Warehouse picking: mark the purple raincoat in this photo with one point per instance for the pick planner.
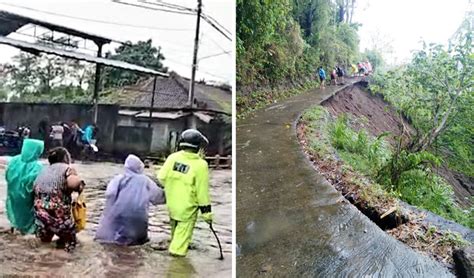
(125, 217)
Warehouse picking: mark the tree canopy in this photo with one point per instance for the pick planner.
(289, 39)
(142, 53)
(436, 91)
(55, 79)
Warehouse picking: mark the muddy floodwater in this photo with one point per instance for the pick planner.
(24, 255)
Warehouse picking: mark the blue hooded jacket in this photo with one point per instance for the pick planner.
(322, 73)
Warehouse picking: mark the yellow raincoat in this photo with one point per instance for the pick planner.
(185, 177)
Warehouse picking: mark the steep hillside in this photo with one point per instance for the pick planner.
(372, 113)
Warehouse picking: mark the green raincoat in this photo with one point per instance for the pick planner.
(21, 173)
(185, 178)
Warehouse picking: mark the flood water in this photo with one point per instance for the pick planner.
(21, 255)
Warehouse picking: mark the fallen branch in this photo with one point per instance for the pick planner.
(388, 212)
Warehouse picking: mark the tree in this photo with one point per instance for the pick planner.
(285, 41)
(142, 53)
(436, 92)
(375, 58)
(432, 87)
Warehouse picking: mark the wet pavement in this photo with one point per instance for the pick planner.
(293, 223)
(20, 255)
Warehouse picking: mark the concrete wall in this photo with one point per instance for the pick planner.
(14, 114)
(165, 131)
(132, 139)
(215, 132)
(162, 132)
(110, 122)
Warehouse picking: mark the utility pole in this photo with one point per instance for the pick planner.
(196, 44)
(152, 102)
(97, 84)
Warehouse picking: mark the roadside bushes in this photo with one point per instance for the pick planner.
(405, 175)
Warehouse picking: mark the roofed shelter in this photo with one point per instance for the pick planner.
(11, 22)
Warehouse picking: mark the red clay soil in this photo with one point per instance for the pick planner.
(381, 117)
(356, 101)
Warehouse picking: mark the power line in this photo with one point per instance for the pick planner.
(181, 10)
(216, 27)
(155, 9)
(213, 41)
(97, 20)
(217, 22)
(169, 5)
(215, 55)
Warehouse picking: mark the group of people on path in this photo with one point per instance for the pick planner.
(337, 73)
(69, 135)
(337, 76)
(39, 198)
(363, 68)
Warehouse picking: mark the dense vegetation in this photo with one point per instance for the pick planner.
(55, 79)
(285, 41)
(417, 185)
(435, 91)
(142, 53)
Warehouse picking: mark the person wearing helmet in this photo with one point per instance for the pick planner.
(185, 177)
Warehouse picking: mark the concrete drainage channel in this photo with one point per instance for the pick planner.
(394, 217)
(292, 223)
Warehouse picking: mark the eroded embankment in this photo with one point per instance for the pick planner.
(409, 225)
(376, 116)
(292, 223)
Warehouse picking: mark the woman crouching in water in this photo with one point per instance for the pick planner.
(128, 197)
(53, 202)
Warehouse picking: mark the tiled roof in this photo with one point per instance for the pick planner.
(172, 93)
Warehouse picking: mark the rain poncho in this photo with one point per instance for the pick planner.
(21, 173)
(186, 180)
(88, 134)
(125, 217)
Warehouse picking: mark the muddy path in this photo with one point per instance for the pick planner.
(291, 222)
(24, 254)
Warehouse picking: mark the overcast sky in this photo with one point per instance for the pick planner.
(173, 32)
(404, 23)
(401, 24)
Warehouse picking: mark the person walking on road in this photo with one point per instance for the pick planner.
(57, 135)
(333, 76)
(185, 177)
(322, 77)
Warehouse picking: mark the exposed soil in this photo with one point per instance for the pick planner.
(377, 116)
(407, 225)
(463, 185)
(372, 112)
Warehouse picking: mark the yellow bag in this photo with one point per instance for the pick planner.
(79, 212)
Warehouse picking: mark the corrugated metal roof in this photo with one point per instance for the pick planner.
(203, 117)
(10, 22)
(129, 112)
(36, 48)
(162, 115)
